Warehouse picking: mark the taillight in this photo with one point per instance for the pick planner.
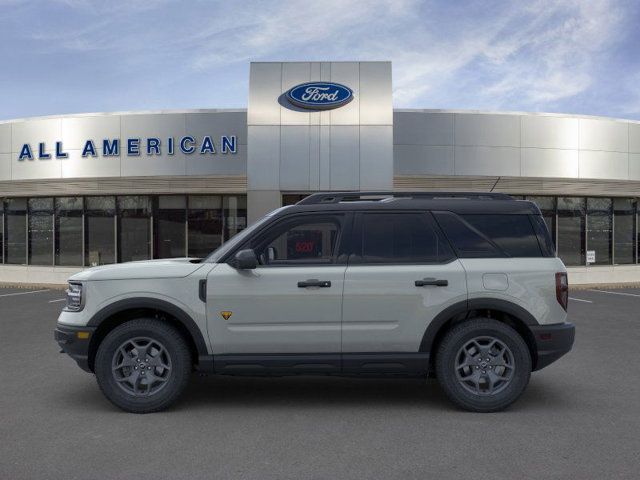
(562, 289)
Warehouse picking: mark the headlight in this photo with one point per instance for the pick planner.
(74, 297)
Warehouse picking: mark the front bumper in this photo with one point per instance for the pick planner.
(75, 341)
(552, 342)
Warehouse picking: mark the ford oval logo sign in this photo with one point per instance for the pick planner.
(320, 95)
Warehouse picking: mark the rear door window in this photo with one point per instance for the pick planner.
(466, 239)
(400, 238)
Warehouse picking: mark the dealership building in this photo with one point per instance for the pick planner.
(99, 188)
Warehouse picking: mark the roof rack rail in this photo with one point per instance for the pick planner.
(337, 197)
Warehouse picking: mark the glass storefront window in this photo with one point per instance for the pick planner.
(637, 248)
(46, 231)
(77, 231)
(100, 230)
(293, 198)
(623, 230)
(170, 226)
(599, 231)
(134, 228)
(40, 231)
(571, 230)
(235, 215)
(2, 230)
(15, 231)
(547, 206)
(68, 231)
(205, 225)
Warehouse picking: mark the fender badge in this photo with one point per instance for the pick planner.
(226, 315)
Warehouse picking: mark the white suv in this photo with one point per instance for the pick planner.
(465, 287)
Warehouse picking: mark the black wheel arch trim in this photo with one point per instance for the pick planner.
(464, 307)
(505, 306)
(156, 304)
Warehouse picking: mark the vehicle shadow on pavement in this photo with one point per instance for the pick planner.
(312, 392)
(316, 392)
(319, 392)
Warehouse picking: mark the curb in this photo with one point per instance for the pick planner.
(27, 286)
(611, 286)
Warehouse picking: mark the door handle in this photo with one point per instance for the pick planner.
(431, 281)
(314, 283)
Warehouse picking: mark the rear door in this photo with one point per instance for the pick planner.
(401, 275)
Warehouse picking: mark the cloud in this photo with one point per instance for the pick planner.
(312, 30)
(538, 55)
(557, 59)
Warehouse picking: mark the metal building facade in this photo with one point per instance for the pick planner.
(586, 169)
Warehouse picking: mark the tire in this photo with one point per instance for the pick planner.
(143, 365)
(471, 365)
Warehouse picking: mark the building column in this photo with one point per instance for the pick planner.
(261, 202)
(295, 149)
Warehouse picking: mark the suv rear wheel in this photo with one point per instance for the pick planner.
(143, 365)
(483, 365)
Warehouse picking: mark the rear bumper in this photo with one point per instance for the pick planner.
(74, 345)
(552, 342)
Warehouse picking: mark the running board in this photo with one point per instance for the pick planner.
(347, 364)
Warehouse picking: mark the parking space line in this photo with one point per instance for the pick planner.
(22, 293)
(616, 293)
(57, 300)
(580, 300)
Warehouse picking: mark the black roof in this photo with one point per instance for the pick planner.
(457, 202)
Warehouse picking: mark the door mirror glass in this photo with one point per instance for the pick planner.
(245, 260)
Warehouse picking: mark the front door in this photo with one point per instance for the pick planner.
(401, 275)
(292, 302)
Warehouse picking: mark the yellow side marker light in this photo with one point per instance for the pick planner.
(82, 335)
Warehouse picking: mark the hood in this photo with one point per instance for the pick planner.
(147, 269)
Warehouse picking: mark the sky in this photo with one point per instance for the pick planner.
(75, 56)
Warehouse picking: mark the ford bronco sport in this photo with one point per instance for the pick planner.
(465, 287)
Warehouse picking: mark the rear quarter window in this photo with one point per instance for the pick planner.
(544, 236)
(493, 235)
(513, 234)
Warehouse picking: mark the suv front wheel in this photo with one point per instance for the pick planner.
(483, 365)
(143, 365)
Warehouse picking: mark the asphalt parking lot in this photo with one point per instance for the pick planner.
(579, 418)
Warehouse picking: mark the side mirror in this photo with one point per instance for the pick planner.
(245, 260)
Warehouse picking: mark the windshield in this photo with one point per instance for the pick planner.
(225, 248)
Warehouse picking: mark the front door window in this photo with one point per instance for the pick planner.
(306, 240)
